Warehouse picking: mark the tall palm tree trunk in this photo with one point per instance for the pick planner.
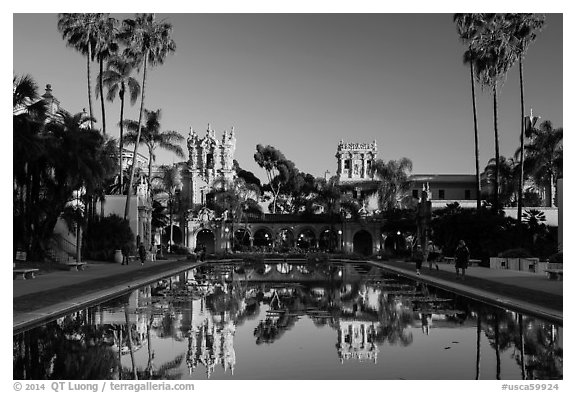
(122, 89)
(101, 88)
(120, 352)
(149, 164)
(497, 346)
(171, 226)
(129, 338)
(478, 341)
(89, 56)
(137, 143)
(496, 151)
(522, 361)
(522, 131)
(476, 148)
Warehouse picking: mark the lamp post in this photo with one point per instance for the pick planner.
(226, 230)
(340, 239)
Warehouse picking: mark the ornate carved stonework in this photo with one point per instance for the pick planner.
(355, 161)
(209, 160)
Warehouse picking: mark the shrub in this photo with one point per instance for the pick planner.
(105, 235)
(556, 258)
(515, 253)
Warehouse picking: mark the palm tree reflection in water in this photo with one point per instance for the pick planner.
(363, 309)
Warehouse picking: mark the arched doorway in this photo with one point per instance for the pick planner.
(306, 239)
(328, 240)
(362, 243)
(241, 240)
(206, 238)
(262, 238)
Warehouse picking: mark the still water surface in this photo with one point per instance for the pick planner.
(289, 321)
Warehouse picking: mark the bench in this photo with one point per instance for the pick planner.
(554, 274)
(24, 274)
(75, 266)
(449, 260)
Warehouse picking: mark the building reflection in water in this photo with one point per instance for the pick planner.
(199, 312)
(356, 341)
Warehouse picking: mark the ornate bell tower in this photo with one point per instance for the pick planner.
(355, 161)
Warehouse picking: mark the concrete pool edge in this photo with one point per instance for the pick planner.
(552, 315)
(27, 320)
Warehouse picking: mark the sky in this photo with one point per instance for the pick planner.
(303, 82)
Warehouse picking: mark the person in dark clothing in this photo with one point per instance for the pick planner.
(142, 253)
(419, 258)
(462, 256)
(125, 253)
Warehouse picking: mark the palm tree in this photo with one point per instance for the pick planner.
(543, 160)
(469, 27)
(508, 170)
(493, 60)
(81, 32)
(148, 41)
(394, 184)
(106, 46)
(168, 181)
(29, 152)
(118, 81)
(152, 137)
(522, 32)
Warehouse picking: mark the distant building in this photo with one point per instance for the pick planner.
(445, 189)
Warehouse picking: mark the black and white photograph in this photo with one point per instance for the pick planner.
(266, 196)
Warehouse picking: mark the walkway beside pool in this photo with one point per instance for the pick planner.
(520, 291)
(54, 293)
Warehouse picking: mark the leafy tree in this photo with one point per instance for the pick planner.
(118, 80)
(106, 235)
(148, 42)
(279, 170)
(153, 137)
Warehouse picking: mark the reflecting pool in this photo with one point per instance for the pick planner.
(290, 321)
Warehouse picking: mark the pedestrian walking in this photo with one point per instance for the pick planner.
(419, 258)
(142, 253)
(153, 251)
(432, 255)
(125, 253)
(462, 256)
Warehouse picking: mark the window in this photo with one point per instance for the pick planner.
(347, 164)
(355, 194)
(467, 194)
(209, 161)
(415, 194)
(441, 194)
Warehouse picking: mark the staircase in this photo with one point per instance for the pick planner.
(61, 250)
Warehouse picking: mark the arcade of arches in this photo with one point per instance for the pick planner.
(364, 238)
